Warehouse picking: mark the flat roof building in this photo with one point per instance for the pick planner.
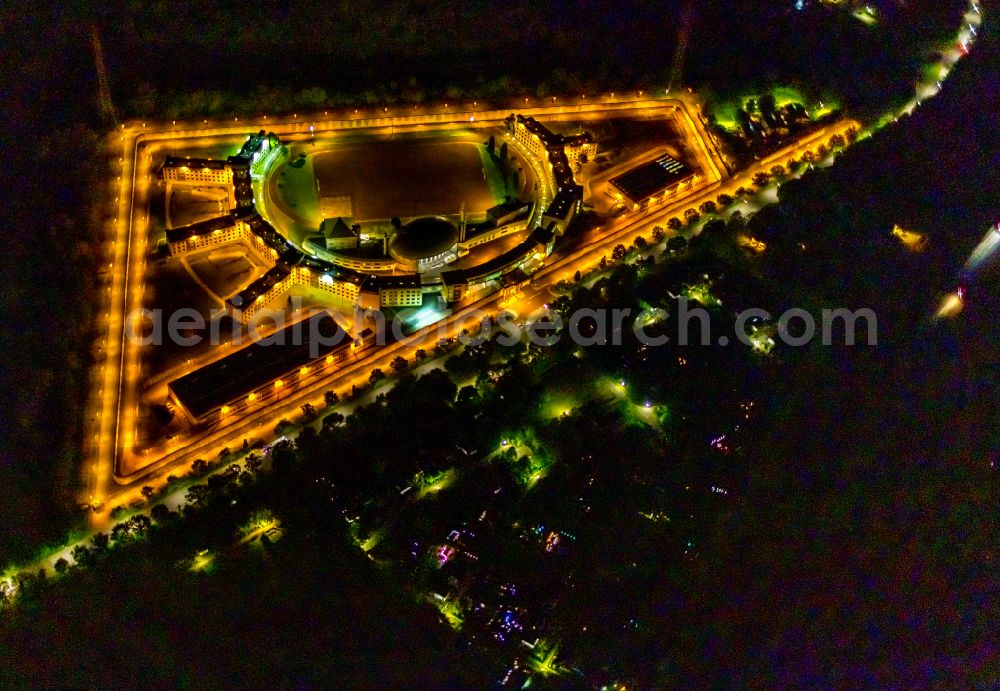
(655, 179)
(250, 374)
(404, 290)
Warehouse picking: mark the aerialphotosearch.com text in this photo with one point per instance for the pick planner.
(585, 327)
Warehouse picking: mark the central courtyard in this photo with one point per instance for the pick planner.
(406, 178)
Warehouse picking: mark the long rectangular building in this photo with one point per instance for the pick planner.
(260, 370)
(656, 179)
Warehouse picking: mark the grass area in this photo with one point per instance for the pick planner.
(298, 190)
(494, 175)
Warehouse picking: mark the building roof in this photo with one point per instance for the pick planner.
(424, 237)
(549, 138)
(248, 295)
(511, 258)
(564, 202)
(651, 178)
(181, 162)
(374, 284)
(568, 193)
(237, 375)
(454, 277)
(252, 145)
(337, 228)
(265, 231)
(339, 273)
(511, 206)
(205, 227)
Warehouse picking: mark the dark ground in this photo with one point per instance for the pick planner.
(403, 179)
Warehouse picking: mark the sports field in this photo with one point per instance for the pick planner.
(404, 178)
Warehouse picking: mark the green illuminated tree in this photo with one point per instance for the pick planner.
(332, 420)
(677, 243)
(331, 398)
(253, 462)
(100, 541)
(309, 412)
(746, 123)
(283, 426)
(83, 555)
(120, 533)
(618, 253)
(197, 495)
(399, 364)
(468, 397)
(766, 105)
(376, 375)
(736, 221)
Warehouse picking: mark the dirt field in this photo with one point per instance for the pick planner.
(404, 178)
